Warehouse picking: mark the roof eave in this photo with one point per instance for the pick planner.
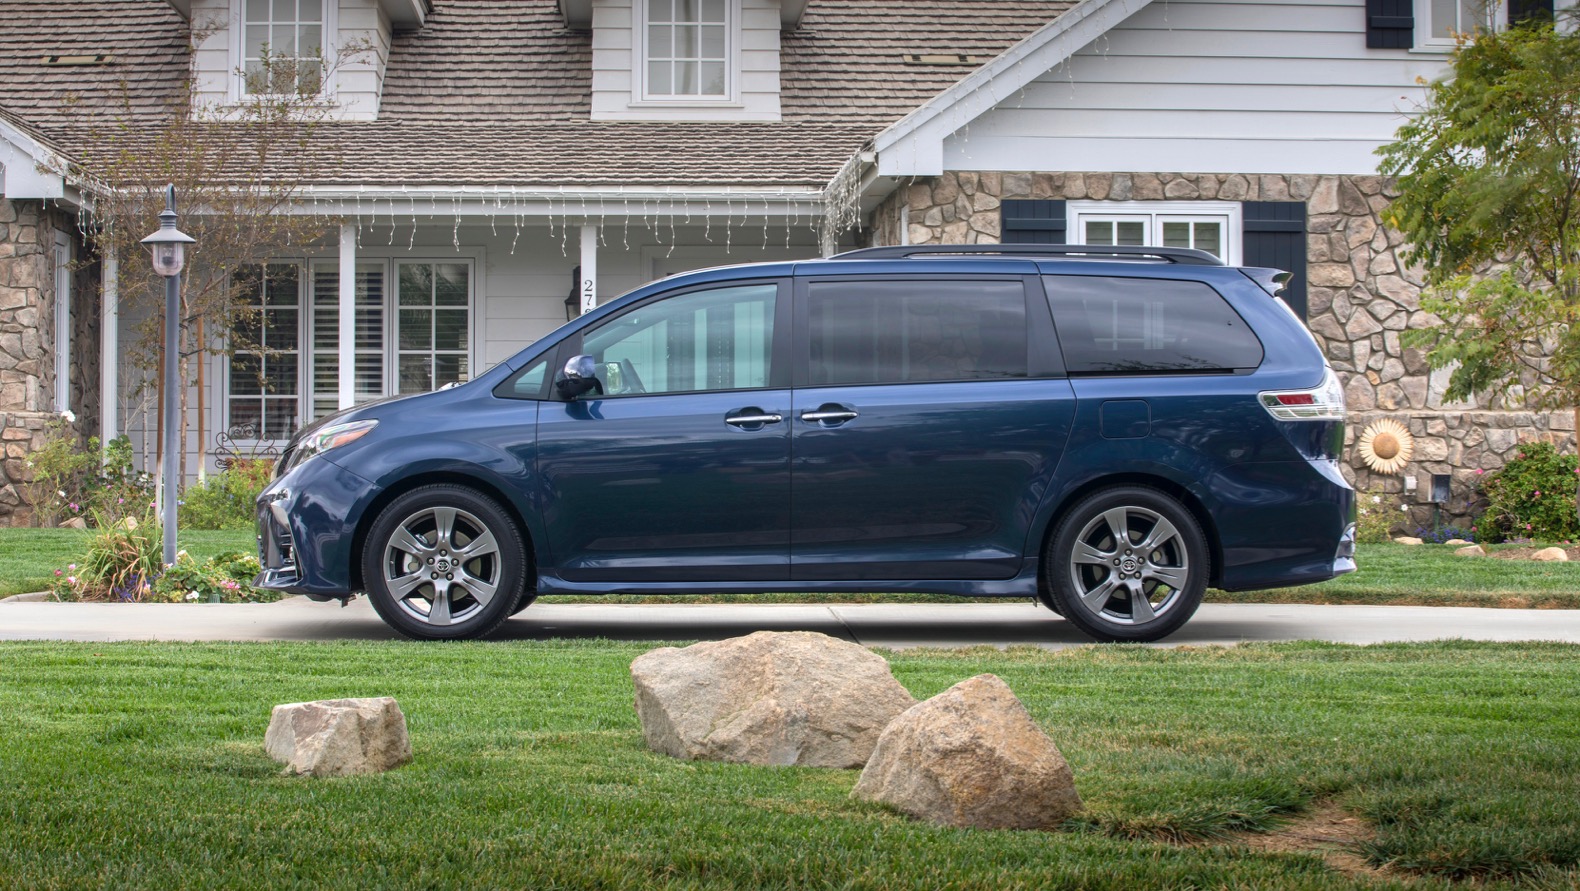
(28, 167)
(578, 13)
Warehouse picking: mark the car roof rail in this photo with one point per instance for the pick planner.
(1183, 256)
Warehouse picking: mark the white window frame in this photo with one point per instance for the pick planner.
(1229, 213)
(732, 63)
(238, 52)
(1425, 42)
(392, 350)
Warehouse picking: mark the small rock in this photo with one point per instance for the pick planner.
(771, 698)
(75, 523)
(1472, 551)
(1551, 555)
(971, 756)
(1407, 540)
(1456, 542)
(338, 737)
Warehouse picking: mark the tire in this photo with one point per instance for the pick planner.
(527, 599)
(414, 580)
(1117, 593)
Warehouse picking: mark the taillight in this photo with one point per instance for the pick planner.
(1324, 403)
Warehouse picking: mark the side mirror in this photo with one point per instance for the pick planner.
(580, 376)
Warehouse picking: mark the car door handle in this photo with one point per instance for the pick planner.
(829, 415)
(753, 417)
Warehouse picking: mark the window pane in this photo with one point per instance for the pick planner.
(279, 418)
(310, 42)
(416, 329)
(659, 10)
(246, 371)
(713, 42)
(1209, 238)
(282, 41)
(713, 11)
(1131, 232)
(688, 41)
(686, 78)
(448, 370)
(450, 284)
(280, 329)
(660, 42)
(416, 284)
(658, 83)
(370, 377)
(712, 78)
(416, 374)
(1444, 18)
(1176, 235)
(311, 10)
(257, 38)
(1147, 326)
(284, 10)
(449, 329)
(257, 10)
(719, 339)
(687, 10)
(1099, 232)
(904, 332)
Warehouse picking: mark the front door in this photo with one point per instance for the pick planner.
(680, 470)
(922, 443)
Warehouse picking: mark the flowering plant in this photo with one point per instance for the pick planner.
(1533, 496)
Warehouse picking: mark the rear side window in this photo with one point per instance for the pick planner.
(1148, 326)
(878, 332)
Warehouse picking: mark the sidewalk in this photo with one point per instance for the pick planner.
(883, 625)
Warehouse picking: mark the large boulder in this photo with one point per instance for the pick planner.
(971, 756)
(774, 698)
(1551, 555)
(338, 737)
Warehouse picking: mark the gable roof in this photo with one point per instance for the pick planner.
(498, 92)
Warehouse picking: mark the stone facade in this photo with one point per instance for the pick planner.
(1361, 295)
(27, 366)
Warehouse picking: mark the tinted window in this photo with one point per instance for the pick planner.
(1147, 326)
(718, 339)
(867, 332)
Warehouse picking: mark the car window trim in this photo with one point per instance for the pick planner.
(779, 348)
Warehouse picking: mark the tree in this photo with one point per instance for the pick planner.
(237, 170)
(1489, 177)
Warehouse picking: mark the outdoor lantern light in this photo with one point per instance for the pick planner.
(170, 255)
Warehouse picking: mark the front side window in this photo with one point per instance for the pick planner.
(283, 47)
(264, 387)
(896, 332)
(687, 48)
(717, 339)
(1147, 326)
(1439, 22)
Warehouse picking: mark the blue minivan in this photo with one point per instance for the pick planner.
(1109, 430)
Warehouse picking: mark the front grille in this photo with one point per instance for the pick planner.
(276, 551)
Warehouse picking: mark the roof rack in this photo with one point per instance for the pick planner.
(1183, 256)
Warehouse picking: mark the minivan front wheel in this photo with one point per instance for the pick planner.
(444, 562)
(1127, 564)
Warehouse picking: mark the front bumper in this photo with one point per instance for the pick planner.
(306, 524)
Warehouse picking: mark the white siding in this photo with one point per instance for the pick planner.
(756, 81)
(1208, 86)
(357, 58)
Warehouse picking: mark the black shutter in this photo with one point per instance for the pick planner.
(1390, 24)
(1032, 221)
(1275, 236)
(1538, 10)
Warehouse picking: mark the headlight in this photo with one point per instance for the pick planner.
(331, 438)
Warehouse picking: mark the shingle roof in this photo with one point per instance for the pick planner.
(498, 91)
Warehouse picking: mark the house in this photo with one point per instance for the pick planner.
(496, 164)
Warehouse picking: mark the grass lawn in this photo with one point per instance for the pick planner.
(1428, 575)
(141, 766)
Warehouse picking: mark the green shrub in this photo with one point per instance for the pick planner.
(124, 562)
(226, 500)
(1376, 514)
(72, 481)
(1533, 496)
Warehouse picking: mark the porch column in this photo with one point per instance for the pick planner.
(588, 286)
(109, 345)
(348, 321)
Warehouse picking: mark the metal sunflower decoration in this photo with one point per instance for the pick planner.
(1386, 445)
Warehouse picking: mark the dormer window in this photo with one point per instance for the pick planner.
(688, 49)
(284, 49)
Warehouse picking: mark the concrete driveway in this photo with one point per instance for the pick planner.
(883, 625)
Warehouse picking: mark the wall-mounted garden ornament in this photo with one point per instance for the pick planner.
(1386, 445)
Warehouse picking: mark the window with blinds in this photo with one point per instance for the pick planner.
(369, 339)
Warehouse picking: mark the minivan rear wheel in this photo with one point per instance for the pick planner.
(444, 562)
(1127, 563)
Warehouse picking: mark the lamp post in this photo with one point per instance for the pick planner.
(169, 249)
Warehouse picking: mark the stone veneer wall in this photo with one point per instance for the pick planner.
(27, 370)
(1360, 297)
